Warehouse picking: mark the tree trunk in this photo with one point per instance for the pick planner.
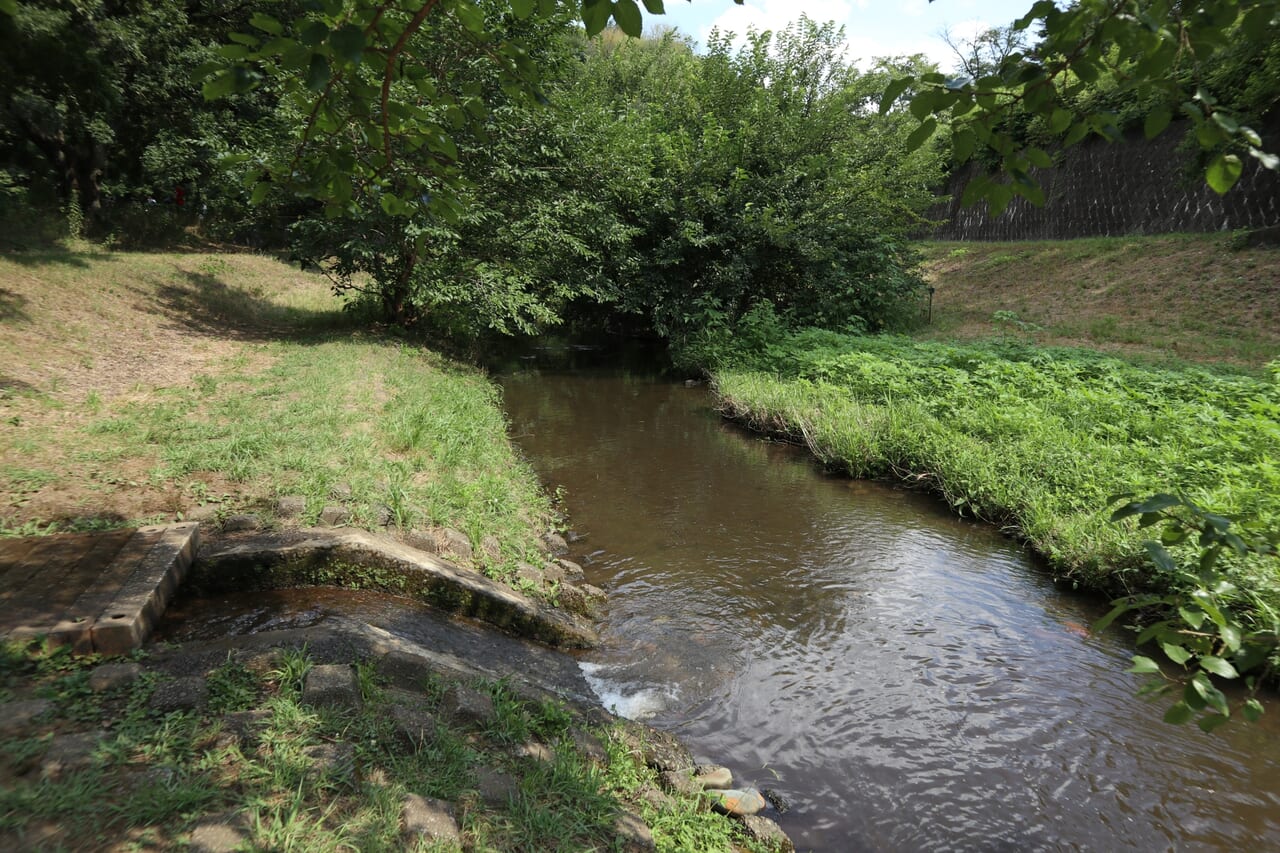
(396, 300)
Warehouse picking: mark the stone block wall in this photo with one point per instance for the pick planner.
(1101, 189)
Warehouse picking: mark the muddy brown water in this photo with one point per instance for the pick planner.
(906, 679)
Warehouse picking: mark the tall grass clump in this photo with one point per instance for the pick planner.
(1036, 440)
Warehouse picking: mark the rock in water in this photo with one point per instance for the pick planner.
(747, 801)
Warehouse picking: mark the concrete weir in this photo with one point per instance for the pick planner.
(348, 557)
(105, 592)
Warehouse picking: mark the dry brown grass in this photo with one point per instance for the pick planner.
(83, 328)
(1192, 297)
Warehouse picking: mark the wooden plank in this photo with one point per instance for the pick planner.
(132, 613)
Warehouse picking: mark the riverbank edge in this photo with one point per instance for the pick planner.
(776, 425)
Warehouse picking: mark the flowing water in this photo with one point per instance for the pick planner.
(905, 679)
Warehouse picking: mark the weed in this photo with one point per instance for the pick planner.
(232, 687)
(292, 672)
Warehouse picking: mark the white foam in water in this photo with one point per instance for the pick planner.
(637, 705)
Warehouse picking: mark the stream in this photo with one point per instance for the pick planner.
(904, 678)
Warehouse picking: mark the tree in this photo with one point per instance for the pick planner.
(96, 98)
(1165, 47)
(984, 53)
(769, 177)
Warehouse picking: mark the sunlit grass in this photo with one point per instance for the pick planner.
(1032, 439)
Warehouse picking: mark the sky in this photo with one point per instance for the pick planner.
(872, 28)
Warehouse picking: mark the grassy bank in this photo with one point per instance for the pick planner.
(260, 762)
(1033, 439)
(1181, 296)
(150, 387)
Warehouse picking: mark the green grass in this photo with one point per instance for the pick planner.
(155, 777)
(287, 396)
(408, 434)
(1036, 440)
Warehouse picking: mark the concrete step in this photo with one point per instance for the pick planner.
(95, 592)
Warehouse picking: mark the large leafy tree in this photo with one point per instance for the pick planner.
(96, 97)
(1160, 56)
(498, 225)
(767, 175)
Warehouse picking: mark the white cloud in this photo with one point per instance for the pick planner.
(774, 15)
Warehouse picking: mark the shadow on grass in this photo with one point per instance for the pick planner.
(10, 386)
(47, 255)
(205, 304)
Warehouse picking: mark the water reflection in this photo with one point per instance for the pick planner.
(907, 679)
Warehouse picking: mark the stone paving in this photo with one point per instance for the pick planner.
(97, 592)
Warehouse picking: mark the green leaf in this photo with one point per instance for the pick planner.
(1161, 557)
(1252, 710)
(348, 43)
(260, 191)
(923, 104)
(1231, 637)
(595, 15)
(1209, 722)
(1143, 664)
(1177, 654)
(922, 133)
(1194, 618)
(1223, 172)
(998, 198)
(219, 86)
(523, 8)
(318, 72)
(628, 16)
(1122, 605)
(1218, 667)
(1211, 695)
(1157, 120)
(1228, 124)
(1060, 120)
(391, 204)
(266, 23)
(1038, 10)
(654, 7)
(1039, 158)
(1268, 161)
(963, 141)
(313, 34)
(1158, 502)
(1179, 713)
(9, 7)
(893, 91)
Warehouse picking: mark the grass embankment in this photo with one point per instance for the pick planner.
(150, 387)
(1199, 297)
(282, 774)
(144, 387)
(1035, 438)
